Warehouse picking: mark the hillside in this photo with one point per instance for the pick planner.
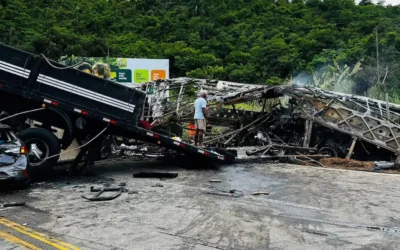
(253, 41)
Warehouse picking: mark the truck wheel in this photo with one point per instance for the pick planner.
(328, 151)
(41, 144)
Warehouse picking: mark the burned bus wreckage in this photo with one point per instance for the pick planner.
(278, 122)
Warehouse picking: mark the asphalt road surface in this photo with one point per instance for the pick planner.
(307, 208)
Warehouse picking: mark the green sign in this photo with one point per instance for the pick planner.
(123, 75)
(141, 75)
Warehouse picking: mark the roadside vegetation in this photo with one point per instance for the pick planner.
(250, 41)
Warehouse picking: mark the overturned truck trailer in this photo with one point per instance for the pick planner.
(362, 118)
(289, 119)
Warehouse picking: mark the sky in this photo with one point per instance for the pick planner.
(388, 2)
(392, 2)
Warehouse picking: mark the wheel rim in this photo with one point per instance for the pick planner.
(328, 151)
(38, 151)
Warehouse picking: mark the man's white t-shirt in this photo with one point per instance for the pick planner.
(199, 104)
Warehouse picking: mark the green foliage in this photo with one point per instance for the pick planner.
(251, 41)
(249, 106)
(336, 78)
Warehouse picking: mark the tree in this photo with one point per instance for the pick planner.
(253, 41)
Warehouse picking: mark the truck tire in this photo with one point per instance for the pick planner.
(41, 144)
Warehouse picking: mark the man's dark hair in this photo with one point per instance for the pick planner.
(84, 66)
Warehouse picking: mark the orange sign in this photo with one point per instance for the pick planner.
(157, 74)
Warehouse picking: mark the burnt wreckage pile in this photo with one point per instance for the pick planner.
(279, 121)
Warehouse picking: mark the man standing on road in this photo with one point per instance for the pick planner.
(200, 117)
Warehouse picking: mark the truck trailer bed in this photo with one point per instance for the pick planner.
(50, 84)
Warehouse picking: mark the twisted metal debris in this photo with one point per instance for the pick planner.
(287, 120)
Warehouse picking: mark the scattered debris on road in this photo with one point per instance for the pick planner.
(347, 164)
(100, 191)
(379, 165)
(215, 180)
(230, 193)
(14, 204)
(261, 193)
(158, 175)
